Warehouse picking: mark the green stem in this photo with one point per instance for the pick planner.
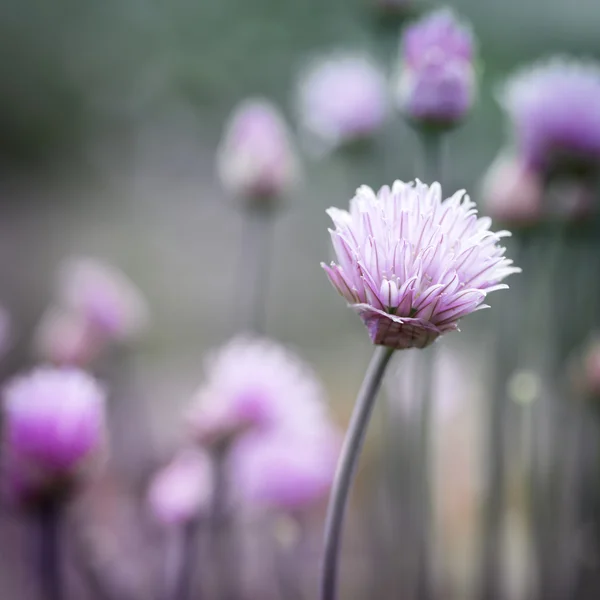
(346, 468)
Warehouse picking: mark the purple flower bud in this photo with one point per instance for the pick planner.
(342, 99)
(107, 301)
(555, 112)
(54, 424)
(253, 384)
(256, 161)
(182, 490)
(436, 83)
(411, 264)
(286, 470)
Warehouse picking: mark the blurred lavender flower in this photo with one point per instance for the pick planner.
(287, 470)
(253, 384)
(512, 192)
(104, 296)
(436, 83)
(256, 160)
(411, 264)
(183, 489)
(54, 426)
(554, 107)
(342, 99)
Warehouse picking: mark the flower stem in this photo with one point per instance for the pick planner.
(48, 527)
(254, 268)
(183, 560)
(353, 443)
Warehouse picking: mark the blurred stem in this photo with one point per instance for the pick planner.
(181, 561)
(48, 529)
(221, 529)
(432, 143)
(346, 468)
(253, 283)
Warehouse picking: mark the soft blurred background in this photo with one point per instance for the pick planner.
(110, 117)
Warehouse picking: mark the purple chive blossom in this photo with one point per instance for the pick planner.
(555, 112)
(256, 160)
(182, 490)
(253, 384)
(411, 264)
(284, 469)
(436, 82)
(342, 99)
(54, 424)
(103, 297)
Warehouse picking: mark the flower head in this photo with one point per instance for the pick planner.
(555, 112)
(254, 384)
(286, 471)
(256, 160)
(183, 489)
(412, 264)
(436, 83)
(342, 99)
(54, 424)
(103, 297)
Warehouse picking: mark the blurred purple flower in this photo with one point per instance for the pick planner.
(436, 82)
(256, 160)
(285, 470)
(103, 297)
(54, 424)
(253, 384)
(554, 107)
(182, 490)
(411, 264)
(512, 192)
(342, 98)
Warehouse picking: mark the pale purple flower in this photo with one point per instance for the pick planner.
(256, 160)
(411, 264)
(54, 424)
(104, 297)
(285, 470)
(182, 490)
(554, 107)
(436, 82)
(253, 384)
(342, 98)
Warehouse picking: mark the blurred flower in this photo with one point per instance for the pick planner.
(436, 82)
(102, 295)
(54, 425)
(512, 192)
(253, 384)
(286, 471)
(256, 160)
(555, 112)
(411, 264)
(64, 338)
(342, 99)
(183, 489)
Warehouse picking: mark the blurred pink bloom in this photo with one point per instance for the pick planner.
(286, 470)
(253, 384)
(512, 192)
(554, 107)
(436, 82)
(256, 160)
(103, 296)
(182, 490)
(65, 338)
(342, 98)
(54, 424)
(411, 264)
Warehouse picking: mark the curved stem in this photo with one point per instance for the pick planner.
(346, 467)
